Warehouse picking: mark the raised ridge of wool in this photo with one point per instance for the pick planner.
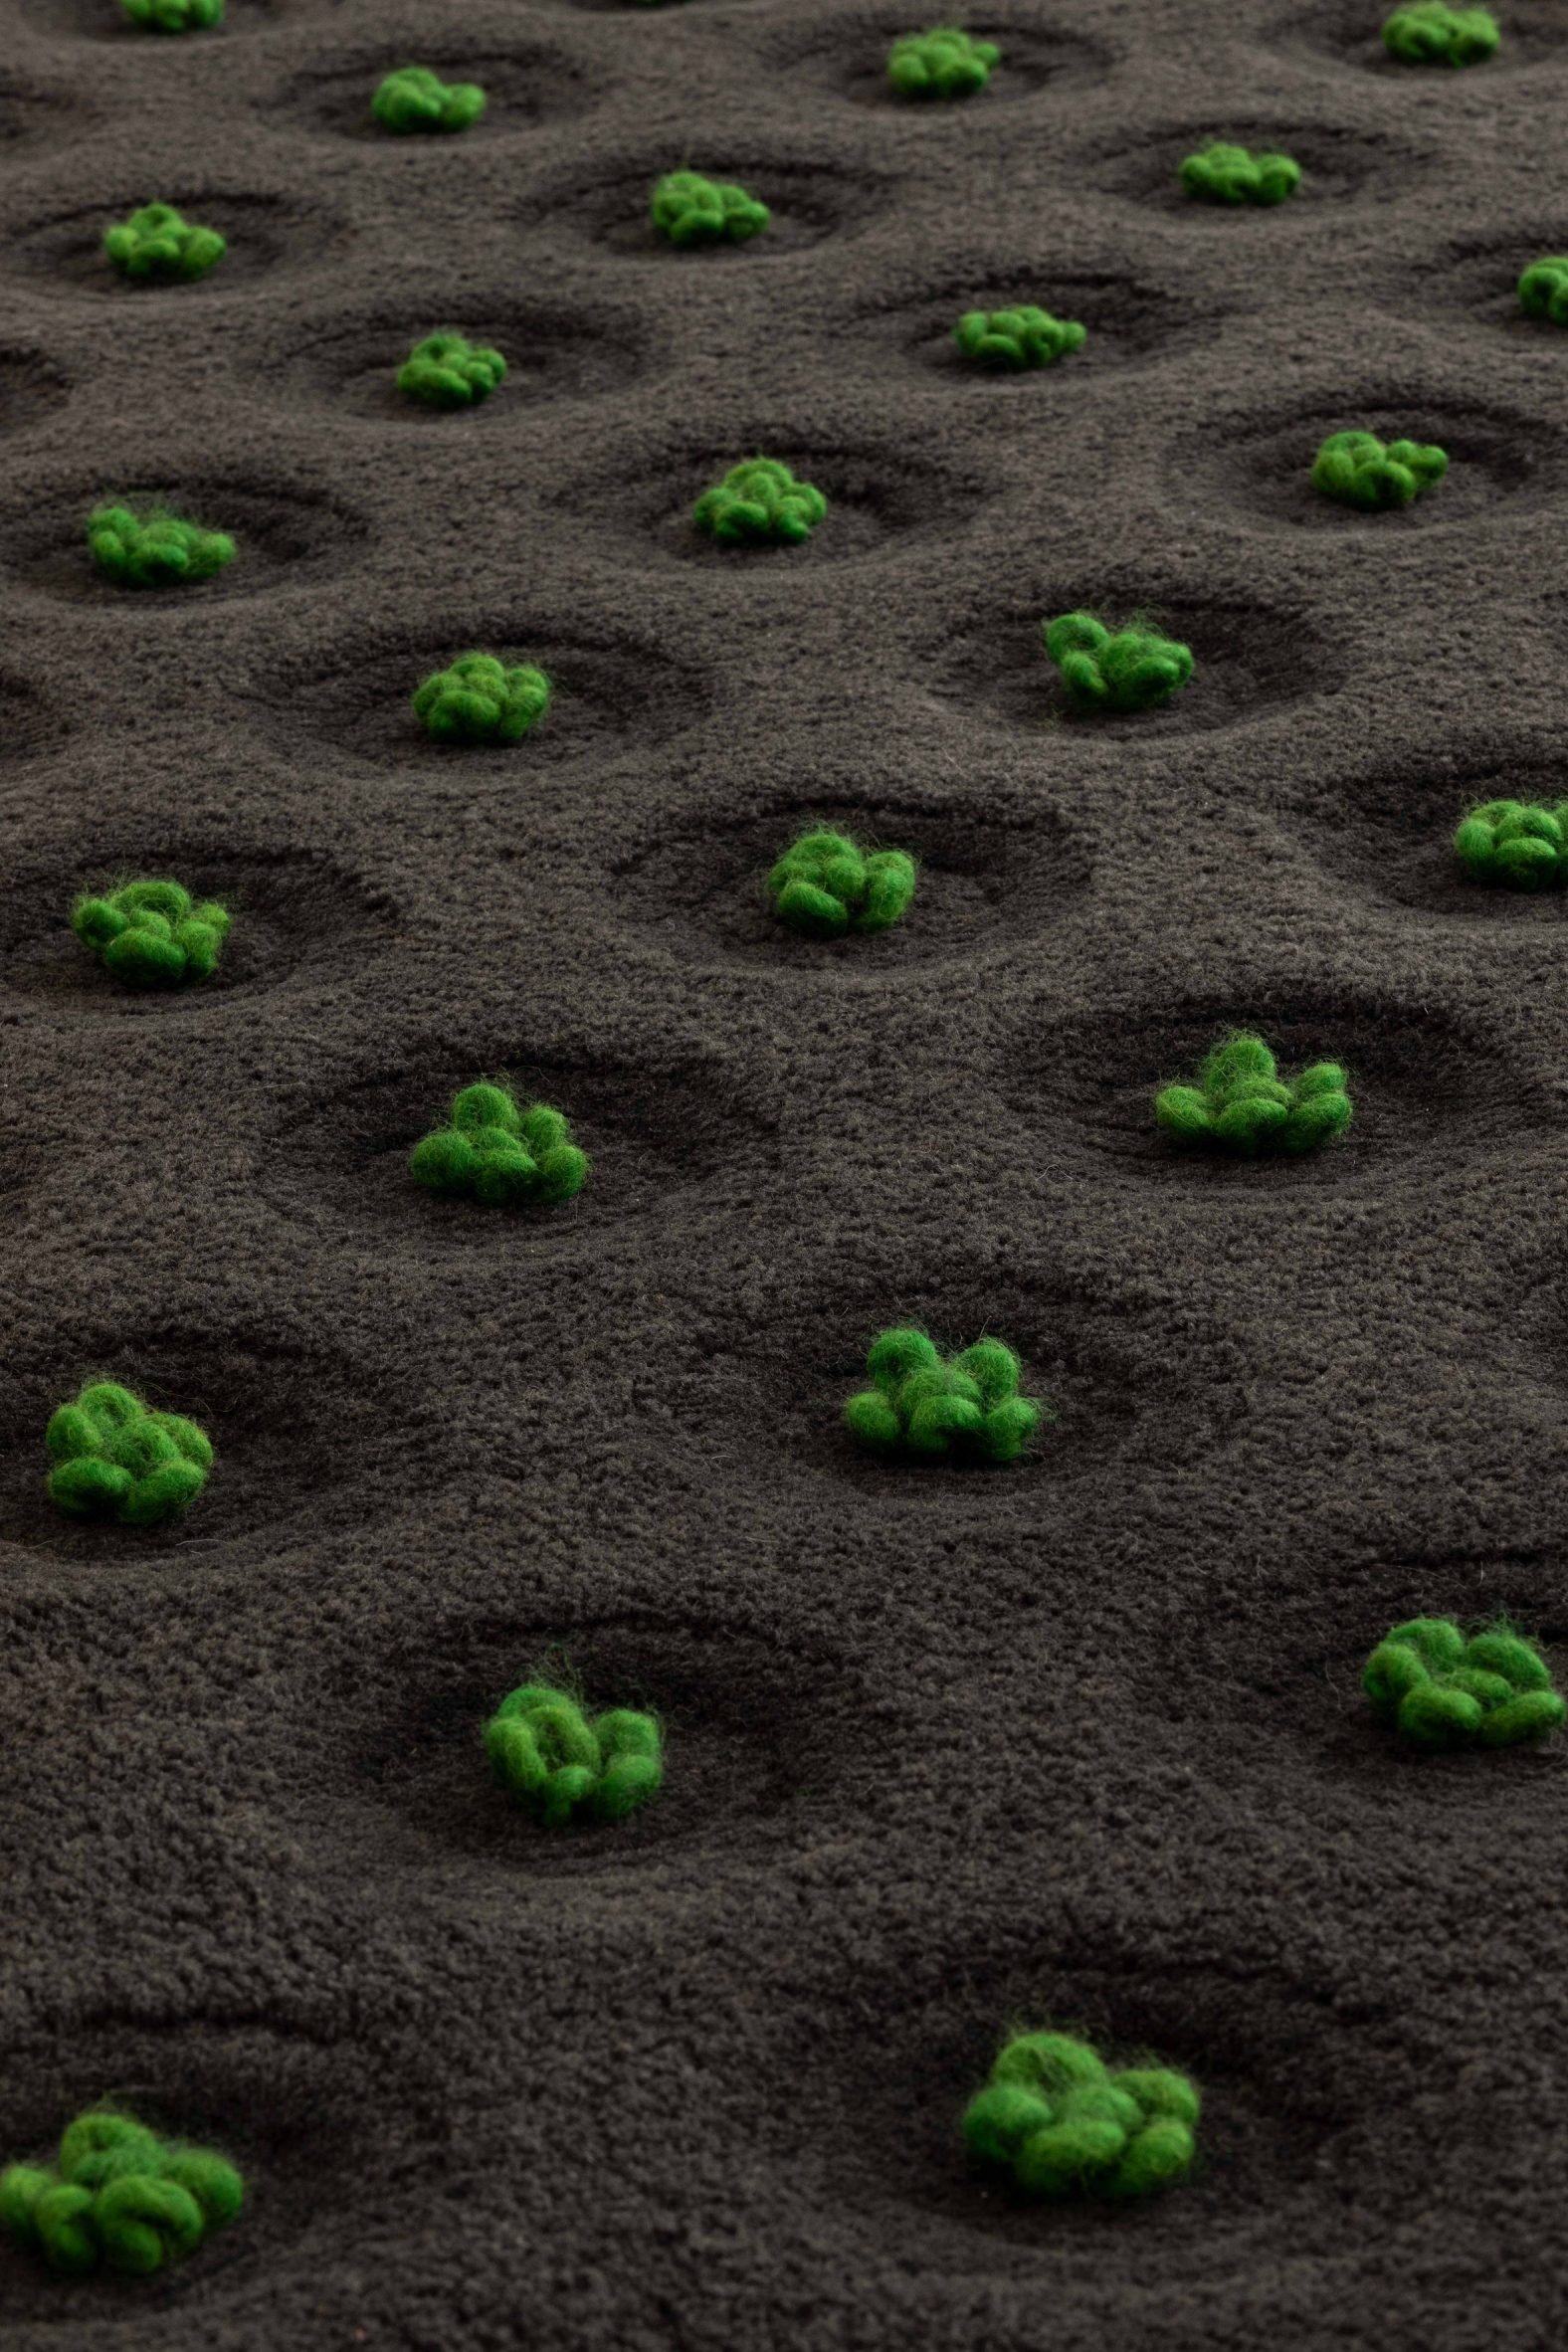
(1119, 670)
(1360, 470)
(152, 934)
(414, 99)
(1016, 338)
(559, 1763)
(1429, 33)
(946, 62)
(1225, 175)
(1056, 2117)
(172, 16)
(1543, 289)
(117, 2197)
(1515, 842)
(1241, 1104)
(760, 502)
(155, 549)
(114, 1457)
(689, 209)
(930, 1406)
(157, 244)
(478, 700)
(448, 371)
(826, 885)
(491, 1151)
(1440, 1691)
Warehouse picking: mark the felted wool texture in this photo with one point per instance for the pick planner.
(760, 501)
(1118, 670)
(564, 1765)
(692, 210)
(116, 1459)
(946, 63)
(492, 1152)
(415, 99)
(155, 549)
(118, 2197)
(172, 16)
(152, 934)
(1515, 843)
(1225, 175)
(448, 371)
(1058, 2120)
(1429, 33)
(1360, 470)
(1242, 1105)
(157, 243)
(1543, 289)
(1018, 338)
(929, 1406)
(479, 698)
(1440, 1691)
(825, 885)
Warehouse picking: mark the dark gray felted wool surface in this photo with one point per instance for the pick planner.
(1078, 1742)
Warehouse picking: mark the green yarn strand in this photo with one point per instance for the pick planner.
(413, 98)
(116, 1458)
(967, 1407)
(1544, 289)
(152, 934)
(1360, 470)
(1225, 174)
(1440, 1691)
(690, 210)
(172, 16)
(1241, 1105)
(759, 502)
(1064, 2126)
(1025, 337)
(492, 1153)
(825, 886)
(1124, 670)
(117, 2197)
(154, 550)
(157, 245)
(1517, 844)
(1429, 33)
(478, 700)
(559, 1765)
(448, 371)
(946, 62)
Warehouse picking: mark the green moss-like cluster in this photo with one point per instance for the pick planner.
(1224, 174)
(547, 1752)
(946, 62)
(1118, 670)
(1360, 470)
(116, 1459)
(930, 1406)
(159, 246)
(478, 700)
(152, 934)
(760, 502)
(413, 98)
(1513, 842)
(1056, 2117)
(117, 2197)
(1242, 1105)
(491, 1151)
(448, 371)
(155, 550)
(1429, 33)
(1543, 289)
(1441, 1691)
(826, 885)
(692, 210)
(172, 16)
(1018, 338)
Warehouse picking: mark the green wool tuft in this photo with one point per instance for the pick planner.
(479, 701)
(1429, 33)
(1018, 338)
(944, 63)
(1242, 1105)
(1515, 843)
(159, 244)
(116, 1458)
(173, 16)
(117, 2197)
(448, 371)
(1224, 174)
(492, 1152)
(1361, 470)
(823, 886)
(154, 550)
(930, 1406)
(414, 99)
(1543, 289)
(152, 934)
(1124, 670)
(692, 210)
(760, 501)
(1441, 1691)
(547, 1753)
(1056, 2117)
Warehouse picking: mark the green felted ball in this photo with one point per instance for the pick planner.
(546, 1751)
(172, 16)
(154, 550)
(413, 98)
(946, 62)
(152, 934)
(1241, 1105)
(1544, 289)
(760, 502)
(823, 886)
(117, 2197)
(1360, 470)
(1440, 1691)
(1429, 33)
(1223, 174)
(1514, 843)
(157, 245)
(1016, 338)
(116, 1458)
(478, 700)
(491, 1151)
(692, 210)
(1115, 670)
(448, 371)
(1064, 2126)
(929, 1407)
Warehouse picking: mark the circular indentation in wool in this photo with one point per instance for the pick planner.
(1479, 280)
(1388, 838)
(1127, 320)
(551, 349)
(846, 53)
(806, 202)
(106, 20)
(1336, 165)
(263, 233)
(525, 84)
(1351, 32)
(284, 532)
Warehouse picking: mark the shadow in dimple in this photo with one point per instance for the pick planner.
(1389, 838)
(263, 234)
(806, 204)
(1351, 32)
(106, 20)
(847, 54)
(283, 534)
(1479, 280)
(1127, 322)
(1336, 165)
(552, 351)
(525, 84)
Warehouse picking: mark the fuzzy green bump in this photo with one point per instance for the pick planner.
(1225, 174)
(413, 98)
(1441, 1691)
(152, 934)
(946, 62)
(117, 2197)
(1056, 2117)
(116, 1459)
(760, 502)
(448, 371)
(1429, 33)
(154, 550)
(692, 210)
(1543, 289)
(1242, 1105)
(1513, 842)
(1360, 470)
(172, 16)
(927, 1405)
(491, 1151)
(157, 245)
(825, 885)
(1018, 338)
(1122, 670)
(478, 700)
(547, 1753)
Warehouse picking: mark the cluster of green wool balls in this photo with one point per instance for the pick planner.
(932, 1407)
(946, 63)
(155, 549)
(825, 885)
(1359, 469)
(1241, 1105)
(1543, 289)
(118, 2197)
(479, 698)
(492, 1152)
(116, 1458)
(1440, 1691)
(159, 246)
(172, 16)
(1429, 33)
(152, 934)
(413, 98)
(1061, 2123)
(1116, 669)
(759, 502)
(1227, 174)
(690, 210)
(448, 371)
(564, 1765)
(1018, 338)
(1513, 842)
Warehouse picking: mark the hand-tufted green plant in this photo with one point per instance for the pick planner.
(760, 501)
(944, 63)
(1543, 289)
(491, 1151)
(1123, 669)
(448, 371)
(1360, 470)
(692, 210)
(1224, 174)
(1515, 842)
(118, 2197)
(927, 1404)
(826, 885)
(152, 934)
(478, 700)
(1441, 1691)
(1429, 33)
(173, 16)
(159, 244)
(154, 549)
(116, 1459)
(413, 98)
(547, 1752)
(1241, 1104)
(1021, 337)
(1056, 2117)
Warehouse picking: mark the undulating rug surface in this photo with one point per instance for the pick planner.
(951, 1749)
